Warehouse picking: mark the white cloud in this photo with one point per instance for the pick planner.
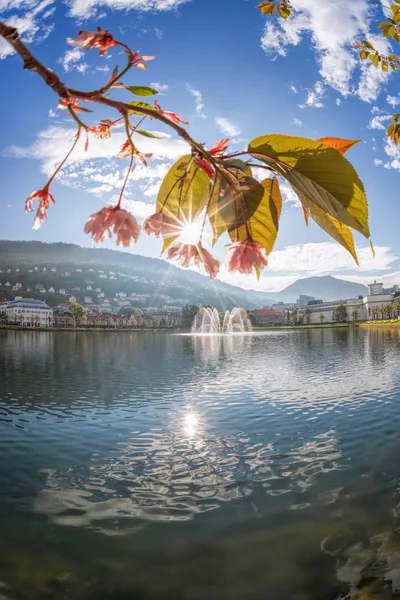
(52, 144)
(315, 96)
(393, 152)
(72, 61)
(393, 100)
(332, 26)
(160, 87)
(376, 110)
(297, 122)
(378, 162)
(198, 100)
(316, 259)
(226, 127)
(52, 113)
(294, 88)
(338, 102)
(83, 9)
(32, 18)
(378, 122)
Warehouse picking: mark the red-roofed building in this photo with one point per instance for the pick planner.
(269, 316)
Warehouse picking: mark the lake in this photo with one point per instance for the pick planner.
(155, 466)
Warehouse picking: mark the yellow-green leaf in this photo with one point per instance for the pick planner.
(166, 244)
(147, 134)
(184, 191)
(233, 200)
(284, 11)
(364, 54)
(141, 90)
(320, 173)
(264, 223)
(375, 59)
(339, 232)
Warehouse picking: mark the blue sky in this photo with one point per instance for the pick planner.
(231, 73)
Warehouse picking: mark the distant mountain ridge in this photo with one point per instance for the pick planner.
(154, 281)
(161, 283)
(322, 288)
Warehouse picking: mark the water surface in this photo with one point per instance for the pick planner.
(155, 465)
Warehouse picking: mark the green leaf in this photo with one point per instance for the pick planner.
(264, 222)
(375, 59)
(284, 11)
(184, 191)
(319, 172)
(368, 45)
(141, 90)
(147, 134)
(234, 199)
(339, 232)
(140, 105)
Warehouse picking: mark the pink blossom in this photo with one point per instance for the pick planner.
(44, 198)
(243, 256)
(194, 255)
(175, 118)
(159, 224)
(125, 226)
(87, 40)
(137, 61)
(128, 148)
(103, 129)
(219, 147)
(65, 103)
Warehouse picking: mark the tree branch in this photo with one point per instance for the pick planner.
(11, 35)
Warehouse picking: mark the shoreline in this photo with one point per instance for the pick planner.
(167, 330)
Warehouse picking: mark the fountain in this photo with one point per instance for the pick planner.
(209, 320)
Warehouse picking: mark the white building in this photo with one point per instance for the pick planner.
(323, 312)
(28, 311)
(376, 289)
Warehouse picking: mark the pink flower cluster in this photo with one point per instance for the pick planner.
(194, 255)
(87, 39)
(246, 255)
(126, 228)
(44, 198)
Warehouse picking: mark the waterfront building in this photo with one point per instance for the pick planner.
(304, 300)
(29, 312)
(269, 316)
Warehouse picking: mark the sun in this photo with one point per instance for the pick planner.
(190, 232)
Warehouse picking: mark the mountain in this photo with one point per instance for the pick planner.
(146, 281)
(322, 288)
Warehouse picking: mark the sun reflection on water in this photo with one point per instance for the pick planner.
(190, 424)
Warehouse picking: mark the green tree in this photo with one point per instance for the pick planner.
(252, 318)
(128, 311)
(321, 317)
(339, 314)
(189, 311)
(355, 315)
(294, 316)
(78, 312)
(307, 316)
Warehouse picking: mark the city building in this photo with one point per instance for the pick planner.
(366, 307)
(304, 300)
(375, 289)
(28, 311)
(269, 316)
